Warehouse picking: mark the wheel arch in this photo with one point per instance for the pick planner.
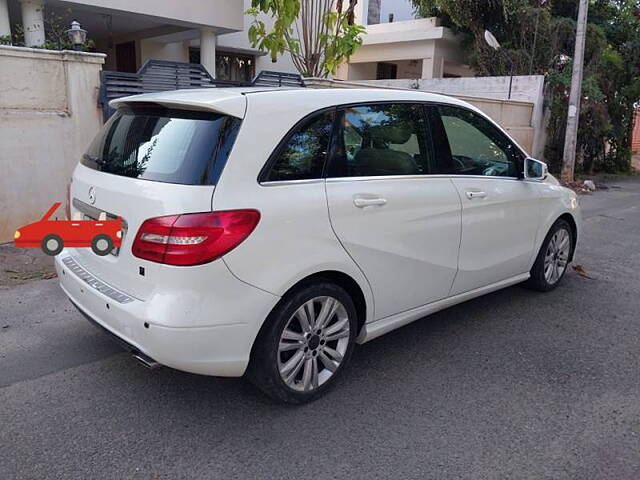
(350, 286)
(344, 280)
(574, 230)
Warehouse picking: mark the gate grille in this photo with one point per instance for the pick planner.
(162, 75)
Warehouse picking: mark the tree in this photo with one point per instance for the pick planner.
(611, 85)
(319, 34)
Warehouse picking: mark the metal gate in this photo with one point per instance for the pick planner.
(161, 75)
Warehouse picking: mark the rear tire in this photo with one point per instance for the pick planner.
(52, 244)
(305, 343)
(553, 258)
(102, 245)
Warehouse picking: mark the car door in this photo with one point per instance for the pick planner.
(399, 223)
(500, 211)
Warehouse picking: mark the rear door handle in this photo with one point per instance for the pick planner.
(471, 194)
(365, 201)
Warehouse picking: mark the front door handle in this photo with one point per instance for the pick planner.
(363, 202)
(471, 194)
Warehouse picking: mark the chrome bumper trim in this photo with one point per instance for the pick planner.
(96, 284)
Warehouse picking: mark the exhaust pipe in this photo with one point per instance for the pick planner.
(146, 361)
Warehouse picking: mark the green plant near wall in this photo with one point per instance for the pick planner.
(319, 34)
(56, 37)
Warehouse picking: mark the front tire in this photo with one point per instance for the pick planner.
(553, 259)
(52, 244)
(305, 343)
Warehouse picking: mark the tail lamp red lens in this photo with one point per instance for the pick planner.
(193, 239)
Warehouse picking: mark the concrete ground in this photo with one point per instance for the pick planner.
(513, 385)
(22, 265)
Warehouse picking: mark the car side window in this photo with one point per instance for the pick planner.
(477, 146)
(304, 154)
(382, 139)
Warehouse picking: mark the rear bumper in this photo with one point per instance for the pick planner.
(120, 341)
(170, 334)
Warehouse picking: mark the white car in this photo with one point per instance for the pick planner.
(268, 231)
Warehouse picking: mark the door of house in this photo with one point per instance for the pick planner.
(126, 57)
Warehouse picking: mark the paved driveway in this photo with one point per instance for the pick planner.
(513, 385)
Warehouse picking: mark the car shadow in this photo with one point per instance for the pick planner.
(376, 367)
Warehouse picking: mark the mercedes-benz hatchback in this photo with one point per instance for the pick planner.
(267, 232)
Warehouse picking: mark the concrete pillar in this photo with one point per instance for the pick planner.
(33, 22)
(373, 12)
(5, 25)
(208, 51)
(432, 67)
(361, 12)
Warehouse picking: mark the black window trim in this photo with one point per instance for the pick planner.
(282, 144)
(338, 133)
(435, 112)
(338, 109)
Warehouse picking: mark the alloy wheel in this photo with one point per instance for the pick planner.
(313, 343)
(557, 256)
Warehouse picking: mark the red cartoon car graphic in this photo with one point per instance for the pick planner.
(52, 236)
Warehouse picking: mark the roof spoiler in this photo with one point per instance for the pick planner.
(225, 103)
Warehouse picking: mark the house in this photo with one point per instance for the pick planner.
(52, 102)
(214, 32)
(398, 45)
(130, 32)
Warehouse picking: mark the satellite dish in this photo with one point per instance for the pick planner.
(491, 40)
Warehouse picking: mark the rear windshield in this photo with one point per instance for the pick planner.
(164, 145)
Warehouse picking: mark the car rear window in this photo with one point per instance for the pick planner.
(164, 145)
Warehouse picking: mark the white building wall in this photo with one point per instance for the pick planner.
(176, 51)
(219, 14)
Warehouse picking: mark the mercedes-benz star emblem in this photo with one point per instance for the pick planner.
(92, 195)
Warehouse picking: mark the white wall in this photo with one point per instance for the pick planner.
(409, 68)
(49, 115)
(175, 51)
(219, 14)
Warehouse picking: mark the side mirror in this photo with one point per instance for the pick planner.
(535, 169)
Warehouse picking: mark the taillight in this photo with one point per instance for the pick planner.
(68, 205)
(195, 238)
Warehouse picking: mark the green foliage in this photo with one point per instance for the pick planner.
(284, 14)
(56, 37)
(318, 36)
(611, 84)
